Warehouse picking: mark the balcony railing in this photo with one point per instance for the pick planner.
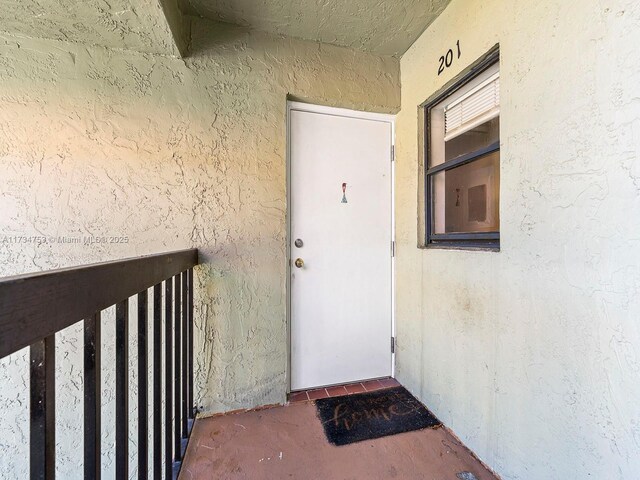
(34, 307)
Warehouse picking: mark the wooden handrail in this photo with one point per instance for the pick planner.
(34, 306)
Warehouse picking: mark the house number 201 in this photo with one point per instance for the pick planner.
(447, 59)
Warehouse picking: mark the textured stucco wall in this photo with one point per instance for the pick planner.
(532, 355)
(170, 153)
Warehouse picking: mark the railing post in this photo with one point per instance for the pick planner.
(122, 389)
(157, 382)
(168, 379)
(143, 387)
(42, 434)
(92, 397)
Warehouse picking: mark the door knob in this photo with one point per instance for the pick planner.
(299, 263)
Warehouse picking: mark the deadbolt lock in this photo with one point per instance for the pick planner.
(298, 243)
(299, 263)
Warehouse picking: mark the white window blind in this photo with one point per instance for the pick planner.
(474, 108)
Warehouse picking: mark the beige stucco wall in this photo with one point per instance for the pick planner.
(532, 355)
(172, 154)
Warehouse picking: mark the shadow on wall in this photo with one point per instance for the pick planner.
(207, 34)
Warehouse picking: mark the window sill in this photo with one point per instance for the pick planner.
(458, 246)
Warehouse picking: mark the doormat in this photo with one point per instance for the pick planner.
(364, 416)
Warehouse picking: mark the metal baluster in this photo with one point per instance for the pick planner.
(122, 389)
(42, 435)
(192, 411)
(157, 382)
(92, 397)
(143, 387)
(185, 354)
(168, 344)
(177, 374)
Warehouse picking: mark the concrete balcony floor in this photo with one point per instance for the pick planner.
(289, 442)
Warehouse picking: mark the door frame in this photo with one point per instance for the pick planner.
(340, 112)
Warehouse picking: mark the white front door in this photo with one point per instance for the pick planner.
(341, 232)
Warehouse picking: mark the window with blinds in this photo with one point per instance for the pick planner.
(463, 163)
(475, 108)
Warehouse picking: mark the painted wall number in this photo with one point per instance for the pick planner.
(447, 59)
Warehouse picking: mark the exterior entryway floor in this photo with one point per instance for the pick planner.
(288, 442)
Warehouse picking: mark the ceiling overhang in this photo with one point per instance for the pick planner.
(384, 27)
(149, 26)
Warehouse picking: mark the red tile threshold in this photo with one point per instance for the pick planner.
(318, 393)
(341, 390)
(298, 397)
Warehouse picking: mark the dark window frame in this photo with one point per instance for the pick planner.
(466, 241)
